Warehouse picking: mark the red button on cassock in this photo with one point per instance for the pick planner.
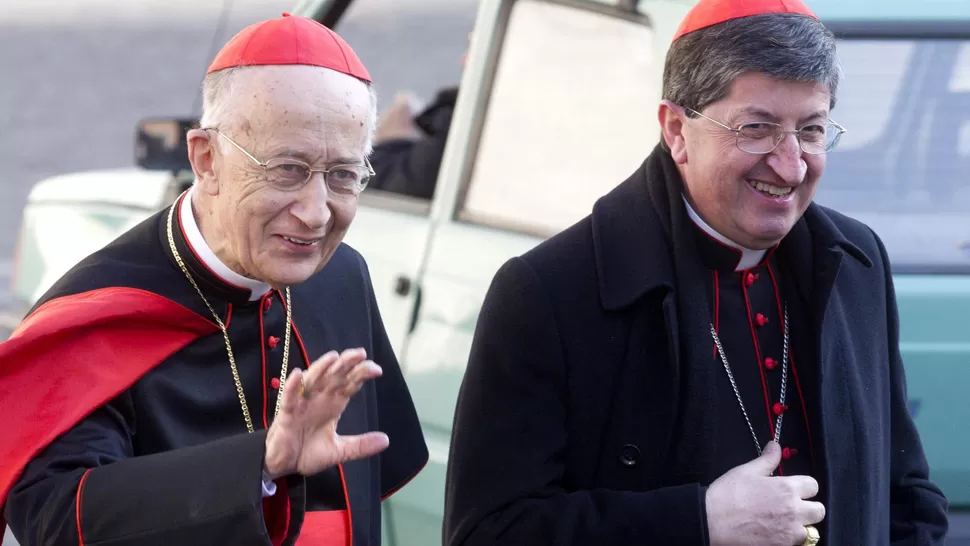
(267, 303)
(761, 319)
(275, 382)
(788, 453)
(750, 278)
(770, 363)
(272, 341)
(779, 408)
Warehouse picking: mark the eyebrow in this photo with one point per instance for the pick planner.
(764, 114)
(304, 157)
(347, 160)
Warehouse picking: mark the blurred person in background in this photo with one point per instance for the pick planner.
(220, 374)
(709, 358)
(409, 142)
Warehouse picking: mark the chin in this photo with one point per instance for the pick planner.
(284, 274)
(768, 237)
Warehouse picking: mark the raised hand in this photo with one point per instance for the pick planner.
(397, 122)
(303, 438)
(747, 505)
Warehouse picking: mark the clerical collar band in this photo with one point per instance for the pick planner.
(205, 254)
(749, 257)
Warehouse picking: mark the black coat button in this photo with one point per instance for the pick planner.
(629, 455)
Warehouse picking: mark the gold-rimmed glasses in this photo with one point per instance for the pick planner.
(762, 137)
(288, 174)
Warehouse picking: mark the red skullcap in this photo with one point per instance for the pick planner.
(708, 13)
(290, 40)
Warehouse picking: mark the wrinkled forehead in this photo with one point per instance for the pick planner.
(301, 101)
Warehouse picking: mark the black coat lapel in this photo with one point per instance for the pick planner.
(691, 322)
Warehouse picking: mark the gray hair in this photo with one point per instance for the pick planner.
(701, 65)
(217, 91)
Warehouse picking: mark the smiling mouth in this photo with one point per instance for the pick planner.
(769, 190)
(302, 242)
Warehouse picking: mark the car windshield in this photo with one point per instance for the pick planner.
(903, 167)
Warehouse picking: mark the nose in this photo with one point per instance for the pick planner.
(787, 160)
(312, 206)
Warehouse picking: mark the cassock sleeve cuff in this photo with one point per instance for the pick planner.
(189, 495)
(705, 534)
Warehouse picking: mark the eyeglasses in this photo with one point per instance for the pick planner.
(292, 174)
(761, 137)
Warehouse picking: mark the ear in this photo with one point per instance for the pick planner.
(672, 126)
(202, 157)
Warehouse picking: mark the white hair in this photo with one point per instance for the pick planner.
(217, 100)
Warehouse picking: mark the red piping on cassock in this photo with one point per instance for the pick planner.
(262, 379)
(794, 370)
(757, 352)
(340, 467)
(77, 507)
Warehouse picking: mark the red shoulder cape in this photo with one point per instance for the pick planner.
(73, 354)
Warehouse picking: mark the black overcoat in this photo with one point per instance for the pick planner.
(580, 420)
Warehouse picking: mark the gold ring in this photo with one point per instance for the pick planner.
(813, 536)
(303, 392)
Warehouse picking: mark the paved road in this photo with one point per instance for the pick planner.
(77, 75)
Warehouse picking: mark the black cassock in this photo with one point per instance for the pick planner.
(749, 295)
(127, 427)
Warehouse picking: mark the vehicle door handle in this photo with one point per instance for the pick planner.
(417, 308)
(402, 287)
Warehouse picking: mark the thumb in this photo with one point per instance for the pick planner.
(361, 446)
(768, 461)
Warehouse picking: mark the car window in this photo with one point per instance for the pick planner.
(903, 167)
(571, 113)
(413, 47)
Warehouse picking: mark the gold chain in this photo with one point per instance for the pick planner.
(225, 333)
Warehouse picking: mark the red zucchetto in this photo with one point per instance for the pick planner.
(290, 40)
(708, 13)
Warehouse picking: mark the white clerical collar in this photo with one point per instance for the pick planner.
(194, 236)
(749, 257)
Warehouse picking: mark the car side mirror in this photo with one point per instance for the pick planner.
(161, 144)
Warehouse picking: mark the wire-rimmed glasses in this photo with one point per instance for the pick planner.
(762, 137)
(288, 174)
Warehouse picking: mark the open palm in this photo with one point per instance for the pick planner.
(303, 439)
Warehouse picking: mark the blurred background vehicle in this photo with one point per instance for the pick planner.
(541, 128)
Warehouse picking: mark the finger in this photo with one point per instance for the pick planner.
(812, 512)
(319, 369)
(291, 391)
(363, 372)
(339, 374)
(322, 365)
(346, 361)
(767, 462)
(804, 486)
(363, 445)
(799, 534)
